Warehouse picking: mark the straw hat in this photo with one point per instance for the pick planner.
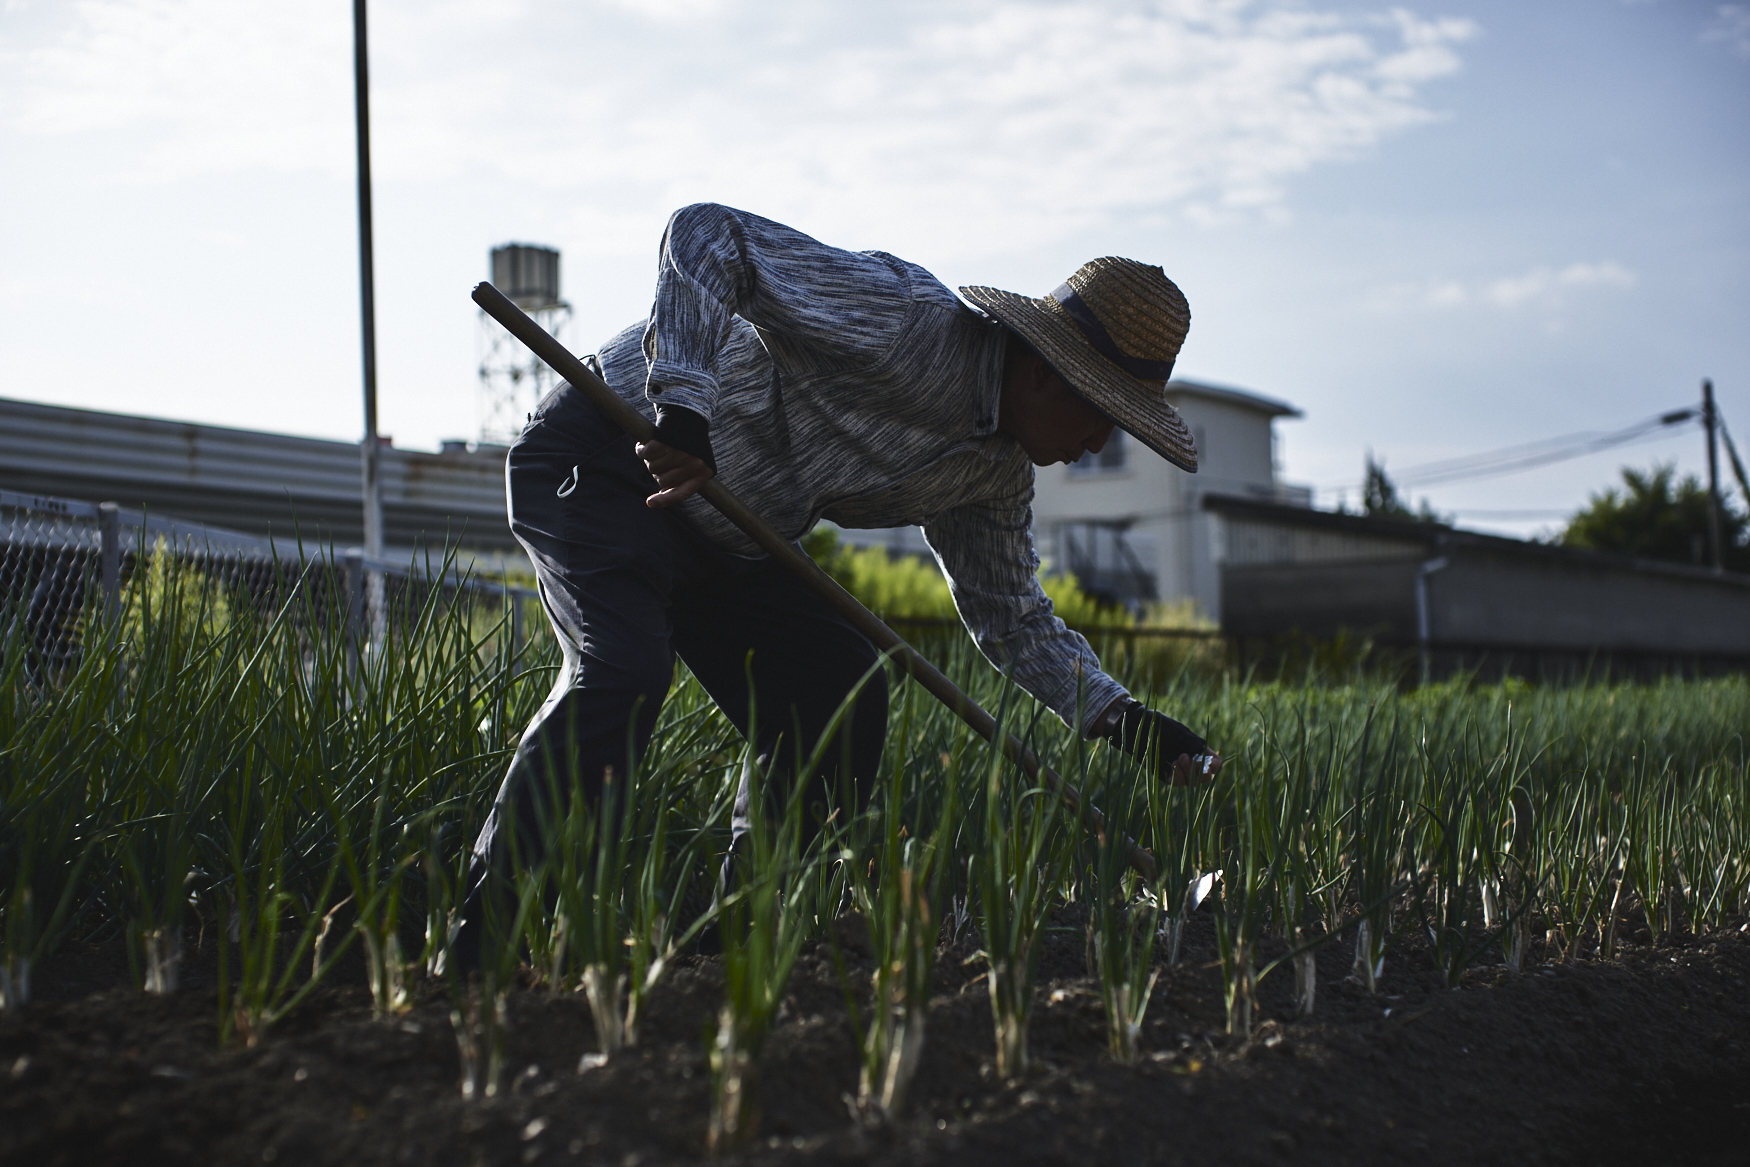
(1111, 332)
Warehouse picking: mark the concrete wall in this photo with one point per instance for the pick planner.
(1320, 600)
(1551, 601)
(1298, 571)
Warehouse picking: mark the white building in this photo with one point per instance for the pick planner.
(1129, 524)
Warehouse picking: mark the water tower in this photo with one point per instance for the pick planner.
(512, 379)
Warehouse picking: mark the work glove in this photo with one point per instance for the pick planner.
(1150, 736)
(686, 431)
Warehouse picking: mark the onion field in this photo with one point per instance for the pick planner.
(251, 792)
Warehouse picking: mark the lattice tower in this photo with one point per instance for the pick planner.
(512, 379)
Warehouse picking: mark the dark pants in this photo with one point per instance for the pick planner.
(627, 587)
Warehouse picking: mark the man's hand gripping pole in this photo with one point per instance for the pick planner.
(542, 344)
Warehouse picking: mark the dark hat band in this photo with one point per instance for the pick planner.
(1078, 310)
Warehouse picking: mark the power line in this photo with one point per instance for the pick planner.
(1527, 456)
(1732, 452)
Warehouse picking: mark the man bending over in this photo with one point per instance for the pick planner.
(823, 384)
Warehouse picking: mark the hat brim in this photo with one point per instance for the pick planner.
(1133, 405)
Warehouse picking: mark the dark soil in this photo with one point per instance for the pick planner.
(1644, 1060)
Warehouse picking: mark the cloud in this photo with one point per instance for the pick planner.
(672, 11)
(1541, 286)
(1545, 284)
(1024, 116)
(1731, 27)
(211, 85)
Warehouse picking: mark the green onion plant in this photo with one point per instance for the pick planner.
(1182, 827)
(764, 921)
(900, 876)
(1021, 849)
(1123, 921)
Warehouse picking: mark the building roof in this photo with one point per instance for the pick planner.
(1243, 398)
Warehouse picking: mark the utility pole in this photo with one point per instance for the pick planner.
(371, 451)
(367, 285)
(1710, 419)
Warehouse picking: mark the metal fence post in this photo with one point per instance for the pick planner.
(354, 583)
(109, 527)
(355, 592)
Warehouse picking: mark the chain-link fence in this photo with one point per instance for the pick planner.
(51, 563)
(65, 562)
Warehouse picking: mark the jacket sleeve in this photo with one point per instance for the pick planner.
(986, 551)
(838, 307)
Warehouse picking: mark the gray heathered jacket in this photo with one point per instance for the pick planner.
(855, 387)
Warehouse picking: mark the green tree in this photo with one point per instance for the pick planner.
(1380, 498)
(1658, 516)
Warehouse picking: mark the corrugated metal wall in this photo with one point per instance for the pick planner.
(1250, 543)
(244, 480)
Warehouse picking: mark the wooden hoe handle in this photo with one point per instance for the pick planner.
(542, 344)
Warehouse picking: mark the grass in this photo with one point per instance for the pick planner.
(243, 771)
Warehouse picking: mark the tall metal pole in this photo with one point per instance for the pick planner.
(367, 288)
(1710, 419)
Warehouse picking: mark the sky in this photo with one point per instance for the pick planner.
(1438, 229)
